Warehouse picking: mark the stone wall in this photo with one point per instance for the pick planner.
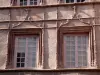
(4, 3)
(51, 72)
(51, 17)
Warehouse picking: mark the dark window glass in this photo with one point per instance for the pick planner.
(35, 3)
(18, 54)
(22, 59)
(21, 0)
(67, 1)
(22, 64)
(82, 0)
(18, 59)
(18, 64)
(78, 1)
(35, 0)
(25, 3)
(31, 3)
(22, 54)
(72, 0)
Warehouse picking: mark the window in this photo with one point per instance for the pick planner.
(23, 2)
(72, 1)
(24, 48)
(25, 51)
(75, 49)
(28, 2)
(33, 2)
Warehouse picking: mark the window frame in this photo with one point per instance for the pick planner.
(60, 45)
(26, 51)
(64, 1)
(11, 43)
(88, 50)
(75, 1)
(28, 3)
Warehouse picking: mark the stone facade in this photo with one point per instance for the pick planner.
(50, 17)
(7, 3)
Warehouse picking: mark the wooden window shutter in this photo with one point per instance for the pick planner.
(60, 59)
(10, 51)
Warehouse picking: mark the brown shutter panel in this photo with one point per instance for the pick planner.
(60, 50)
(10, 51)
(40, 49)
